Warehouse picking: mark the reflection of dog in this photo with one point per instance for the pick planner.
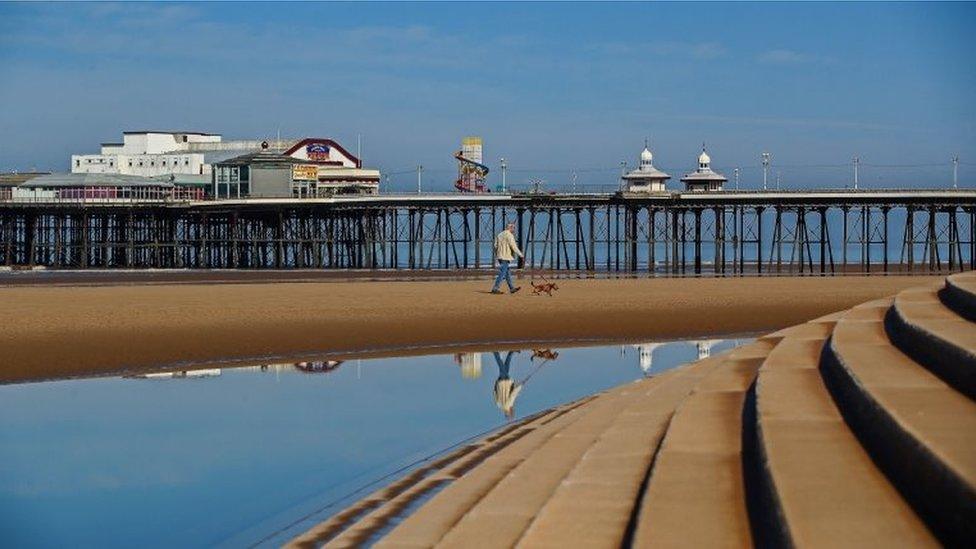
(547, 354)
(544, 287)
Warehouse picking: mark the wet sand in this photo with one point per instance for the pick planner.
(66, 330)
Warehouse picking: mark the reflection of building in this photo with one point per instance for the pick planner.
(318, 366)
(645, 352)
(470, 364)
(309, 168)
(211, 372)
(704, 179)
(705, 347)
(646, 178)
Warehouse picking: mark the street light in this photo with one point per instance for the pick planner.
(955, 172)
(765, 162)
(504, 169)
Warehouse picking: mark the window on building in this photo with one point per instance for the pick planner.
(140, 163)
(77, 163)
(130, 163)
(111, 163)
(153, 163)
(88, 160)
(186, 162)
(164, 162)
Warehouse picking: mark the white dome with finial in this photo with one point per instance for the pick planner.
(704, 160)
(646, 156)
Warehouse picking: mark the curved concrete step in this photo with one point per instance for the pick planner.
(959, 294)
(935, 336)
(920, 431)
(813, 484)
(695, 496)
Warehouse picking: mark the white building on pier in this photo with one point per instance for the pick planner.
(646, 178)
(704, 178)
(150, 153)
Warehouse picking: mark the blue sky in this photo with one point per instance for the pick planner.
(551, 87)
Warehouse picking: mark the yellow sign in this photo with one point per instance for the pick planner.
(304, 172)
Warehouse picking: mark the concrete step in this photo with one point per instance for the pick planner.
(959, 294)
(695, 496)
(920, 431)
(810, 482)
(935, 336)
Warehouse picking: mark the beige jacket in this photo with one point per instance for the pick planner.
(505, 246)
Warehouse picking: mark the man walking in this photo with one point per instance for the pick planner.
(505, 251)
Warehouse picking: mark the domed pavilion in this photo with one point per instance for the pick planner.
(646, 178)
(704, 179)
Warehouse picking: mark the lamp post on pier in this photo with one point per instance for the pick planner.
(955, 172)
(765, 163)
(504, 169)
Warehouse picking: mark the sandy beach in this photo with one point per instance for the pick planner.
(66, 330)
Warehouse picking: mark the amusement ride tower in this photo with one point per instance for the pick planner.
(471, 171)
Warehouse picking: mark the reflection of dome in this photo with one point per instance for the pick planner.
(645, 353)
(704, 347)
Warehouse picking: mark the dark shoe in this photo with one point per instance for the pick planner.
(517, 288)
(496, 291)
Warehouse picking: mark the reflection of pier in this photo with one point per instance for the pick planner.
(182, 374)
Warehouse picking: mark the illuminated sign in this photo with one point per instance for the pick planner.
(317, 151)
(304, 172)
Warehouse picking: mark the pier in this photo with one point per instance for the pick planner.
(702, 233)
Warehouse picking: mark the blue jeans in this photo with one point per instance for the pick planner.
(503, 274)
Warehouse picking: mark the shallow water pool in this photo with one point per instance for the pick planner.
(244, 456)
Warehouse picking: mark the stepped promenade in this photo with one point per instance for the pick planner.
(854, 429)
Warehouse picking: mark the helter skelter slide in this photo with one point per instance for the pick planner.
(471, 172)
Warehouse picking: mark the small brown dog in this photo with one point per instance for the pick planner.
(544, 287)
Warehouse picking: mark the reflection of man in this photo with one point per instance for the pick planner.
(505, 250)
(506, 390)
